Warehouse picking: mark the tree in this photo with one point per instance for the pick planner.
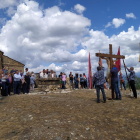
(137, 83)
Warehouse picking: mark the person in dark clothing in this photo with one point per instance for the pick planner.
(76, 80)
(27, 82)
(60, 82)
(0, 84)
(81, 81)
(71, 79)
(85, 80)
(8, 80)
(13, 71)
(12, 82)
(114, 80)
(132, 80)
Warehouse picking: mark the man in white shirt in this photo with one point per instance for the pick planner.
(26, 70)
(43, 74)
(17, 82)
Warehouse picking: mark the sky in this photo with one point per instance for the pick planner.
(59, 34)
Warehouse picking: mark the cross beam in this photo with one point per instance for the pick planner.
(110, 56)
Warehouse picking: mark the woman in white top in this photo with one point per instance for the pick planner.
(3, 80)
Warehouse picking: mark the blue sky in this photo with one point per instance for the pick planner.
(59, 35)
(100, 12)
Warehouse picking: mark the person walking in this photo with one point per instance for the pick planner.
(131, 80)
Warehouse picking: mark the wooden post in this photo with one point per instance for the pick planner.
(111, 66)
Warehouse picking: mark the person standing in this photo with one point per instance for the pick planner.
(23, 84)
(12, 71)
(99, 82)
(5, 69)
(64, 80)
(26, 70)
(32, 81)
(60, 81)
(17, 82)
(27, 82)
(76, 80)
(71, 80)
(131, 80)
(9, 81)
(81, 81)
(3, 80)
(93, 81)
(85, 80)
(12, 82)
(114, 81)
(122, 82)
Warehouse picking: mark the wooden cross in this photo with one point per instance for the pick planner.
(110, 56)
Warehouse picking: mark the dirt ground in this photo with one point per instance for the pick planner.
(69, 116)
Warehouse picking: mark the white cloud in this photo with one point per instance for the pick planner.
(7, 3)
(61, 3)
(128, 41)
(117, 22)
(10, 11)
(79, 8)
(108, 25)
(2, 20)
(47, 35)
(130, 15)
(61, 40)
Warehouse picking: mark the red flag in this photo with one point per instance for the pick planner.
(90, 75)
(118, 63)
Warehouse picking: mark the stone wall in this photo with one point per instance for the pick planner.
(51, 83)
(1, 54)
(12, 63)
(48, 84)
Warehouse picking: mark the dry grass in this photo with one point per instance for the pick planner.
(69, 117)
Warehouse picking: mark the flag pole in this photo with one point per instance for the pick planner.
(126, 75)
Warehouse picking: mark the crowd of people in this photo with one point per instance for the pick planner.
(47, 74)
(16, 81)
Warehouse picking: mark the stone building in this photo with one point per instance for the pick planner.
(7, 61)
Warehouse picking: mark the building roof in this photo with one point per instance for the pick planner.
(10, 58)
(14, 60)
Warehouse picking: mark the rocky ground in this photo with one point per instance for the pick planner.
(69, 115)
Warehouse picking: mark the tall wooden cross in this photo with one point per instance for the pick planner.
(110, 56)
